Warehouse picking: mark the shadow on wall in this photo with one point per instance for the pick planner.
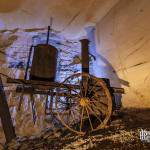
(102, 68)
(5, 43)
(9, 5)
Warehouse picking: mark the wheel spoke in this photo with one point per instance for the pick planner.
(98, 102)
(64, 111)
(93, 87)
(76, 92)
(98, 108)
(93, 101)
(33, 108)
(65, 103)
(73, 117)
(94, 113)
(20, 101)
(97, 96)
(46, 104)
(81, 122)
(89, 118)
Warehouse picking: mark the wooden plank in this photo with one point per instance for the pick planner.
(32, 82)
(28, 90)
(5, 116)
(118, 90)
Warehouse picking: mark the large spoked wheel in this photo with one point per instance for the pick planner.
(83, 103)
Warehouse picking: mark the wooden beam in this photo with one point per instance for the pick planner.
(118, 90)
(29, 90)
(5, 116)
(40, 84)
(32, 82)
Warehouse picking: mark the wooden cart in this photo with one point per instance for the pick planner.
(82, 102)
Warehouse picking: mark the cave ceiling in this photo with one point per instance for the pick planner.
(69, 16)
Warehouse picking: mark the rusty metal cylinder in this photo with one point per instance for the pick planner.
(85, 55)
(44, 63)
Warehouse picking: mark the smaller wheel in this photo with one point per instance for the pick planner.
(85, 105)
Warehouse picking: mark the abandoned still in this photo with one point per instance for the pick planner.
(74, 74)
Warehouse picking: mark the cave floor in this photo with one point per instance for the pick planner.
(122, 133)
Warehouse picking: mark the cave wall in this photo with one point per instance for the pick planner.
(123, 39)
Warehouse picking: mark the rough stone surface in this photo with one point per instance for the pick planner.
(70, 17)
(123, 40)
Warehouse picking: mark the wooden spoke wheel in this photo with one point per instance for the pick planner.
(86, 104)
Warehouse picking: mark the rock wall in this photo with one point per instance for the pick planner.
(123, 39)
(14, 51)
(69, 16)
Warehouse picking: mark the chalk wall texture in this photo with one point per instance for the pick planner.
(69, 16)
(123, 38)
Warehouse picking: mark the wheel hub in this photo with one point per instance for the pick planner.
(84, 101)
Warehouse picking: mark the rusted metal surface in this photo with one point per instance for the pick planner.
(48, 33)
(85, 55)
(5, 116)
(44, 63)
(28, 62)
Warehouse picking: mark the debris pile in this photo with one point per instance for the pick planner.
(123, 133)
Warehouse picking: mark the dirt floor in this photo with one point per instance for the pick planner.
(122, 133)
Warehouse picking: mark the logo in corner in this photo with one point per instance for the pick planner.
(144, 135)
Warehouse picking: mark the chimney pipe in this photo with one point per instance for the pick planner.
(85, 55)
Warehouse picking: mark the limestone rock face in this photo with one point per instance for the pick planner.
(123, 40)
(70, 17)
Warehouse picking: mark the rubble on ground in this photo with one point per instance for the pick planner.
(123, 133)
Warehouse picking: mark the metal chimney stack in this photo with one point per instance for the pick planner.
(85, 55)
